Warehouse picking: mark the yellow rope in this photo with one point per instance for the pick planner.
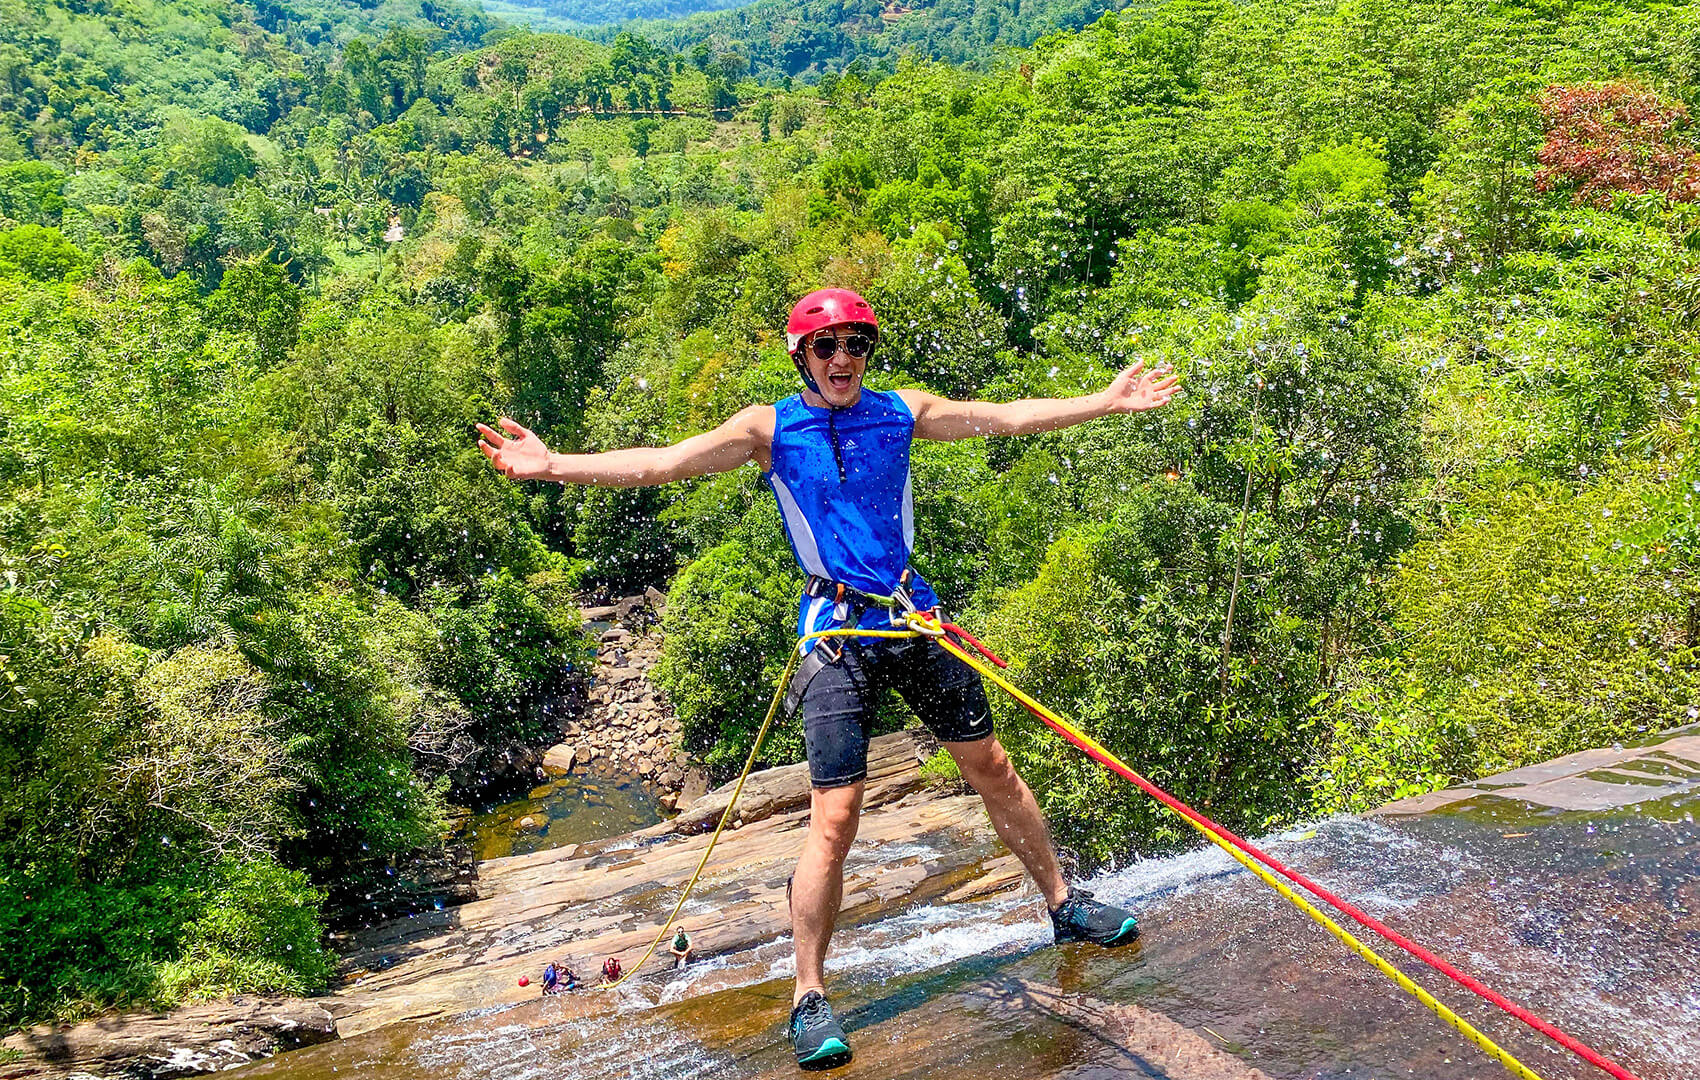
(1381, 964)
(1376, 959)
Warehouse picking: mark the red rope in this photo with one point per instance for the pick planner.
(1363, 918)
(974, 641)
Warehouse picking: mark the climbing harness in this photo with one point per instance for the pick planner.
(965, 647)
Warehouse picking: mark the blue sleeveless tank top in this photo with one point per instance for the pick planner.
(858, 530)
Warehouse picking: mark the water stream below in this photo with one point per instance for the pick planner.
(589, 804)
(1591, 919)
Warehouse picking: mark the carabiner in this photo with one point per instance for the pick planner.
(924, 624)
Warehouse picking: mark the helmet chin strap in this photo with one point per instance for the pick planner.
(803, 370)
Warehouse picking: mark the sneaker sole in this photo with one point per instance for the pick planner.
(832, 1054)
(1127, 935)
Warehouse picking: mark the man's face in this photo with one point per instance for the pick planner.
(839, 375)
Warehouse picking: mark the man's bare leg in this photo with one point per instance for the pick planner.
(817, 888)
(1014, 812)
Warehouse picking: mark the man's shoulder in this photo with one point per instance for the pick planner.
(756, 416)
(897, 401)
(910, 400)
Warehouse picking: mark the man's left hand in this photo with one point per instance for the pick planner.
(1136, 390)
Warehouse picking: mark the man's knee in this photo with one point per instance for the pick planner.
(986, 767)
(833, 816)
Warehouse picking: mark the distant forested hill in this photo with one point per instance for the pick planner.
(807, 37)
(581, 15)
(70, 73)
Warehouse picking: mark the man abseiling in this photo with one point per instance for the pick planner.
(837, 459)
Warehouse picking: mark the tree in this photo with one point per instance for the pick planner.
(212, 151)
(1483, 188)
(1529, 631)
(792, 116)
(640, 133)
(1612, 138)
(728, 631)
(31, 192)
(257, 299)
(38, 252)
(558, 320)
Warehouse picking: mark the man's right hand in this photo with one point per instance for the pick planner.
(744, 438)
(523, 457)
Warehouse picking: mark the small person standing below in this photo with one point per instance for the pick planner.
(837, 459)
(681, 949)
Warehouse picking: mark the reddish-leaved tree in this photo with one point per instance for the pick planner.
(1615, 137)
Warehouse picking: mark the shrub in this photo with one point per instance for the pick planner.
(1534, 628)
(505, 653)
(170, 929)
(336, 707)
(39, 252)
(1615, 138)
(257, 931)
(730, 625)
(205, 753)
(69, 947)
(1120, 631)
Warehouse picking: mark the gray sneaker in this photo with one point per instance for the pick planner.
(1081, 918)
(815, 1036)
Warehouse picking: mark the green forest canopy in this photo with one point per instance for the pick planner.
(1431, 273)
(779, 39)
(579, 16)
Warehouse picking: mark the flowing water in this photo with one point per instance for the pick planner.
(1591, 919)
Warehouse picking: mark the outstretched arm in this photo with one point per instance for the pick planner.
(745, 437)
(945, 420)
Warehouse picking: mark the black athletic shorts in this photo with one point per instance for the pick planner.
(839, 700)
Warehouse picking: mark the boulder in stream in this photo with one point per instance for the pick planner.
(695, 786)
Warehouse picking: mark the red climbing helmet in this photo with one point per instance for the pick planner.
(823, 308)
(819, 310)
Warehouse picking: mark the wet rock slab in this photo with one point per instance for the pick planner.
(186, 1042)
(609, 898)
(577, 903)
(1590, 918)
(1609, 778)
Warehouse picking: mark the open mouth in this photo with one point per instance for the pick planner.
(840, 380)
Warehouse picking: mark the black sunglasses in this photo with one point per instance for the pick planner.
(856, 345)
